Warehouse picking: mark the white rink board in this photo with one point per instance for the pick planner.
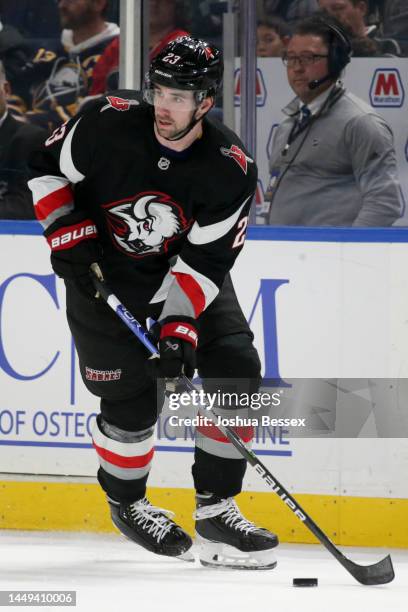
(341, 312)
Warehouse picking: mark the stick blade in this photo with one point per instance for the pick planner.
(378, 573)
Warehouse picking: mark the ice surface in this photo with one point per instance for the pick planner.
(111, 574)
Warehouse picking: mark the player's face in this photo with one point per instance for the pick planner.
(173, 109)
(301, 73)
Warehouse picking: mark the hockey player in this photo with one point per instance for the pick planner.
(159, 195)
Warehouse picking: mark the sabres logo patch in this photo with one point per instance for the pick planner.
(145, 224)
(237, 155)
(119, 104)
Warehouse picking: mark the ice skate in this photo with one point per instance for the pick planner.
(151, 528)
(225, 538)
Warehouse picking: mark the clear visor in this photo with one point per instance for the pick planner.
(173, 99)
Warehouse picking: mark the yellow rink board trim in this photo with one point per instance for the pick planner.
(354, 521)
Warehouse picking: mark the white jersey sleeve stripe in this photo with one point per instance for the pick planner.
(52, 196)
(203, 235)
(66, 162)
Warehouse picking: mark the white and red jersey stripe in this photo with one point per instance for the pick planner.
(190, 293)
(53, 195)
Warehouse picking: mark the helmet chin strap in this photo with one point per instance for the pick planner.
(187, 129)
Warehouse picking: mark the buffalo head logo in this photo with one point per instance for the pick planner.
(145, 224)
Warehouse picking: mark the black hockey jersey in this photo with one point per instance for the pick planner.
(149, 203)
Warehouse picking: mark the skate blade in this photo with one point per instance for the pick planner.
(222, 556)
(237, 566)
(186, 556)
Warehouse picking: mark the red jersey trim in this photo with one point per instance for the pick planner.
(193, 291)
(51, 202)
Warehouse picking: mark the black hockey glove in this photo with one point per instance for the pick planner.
(177, 341)
(74, 247)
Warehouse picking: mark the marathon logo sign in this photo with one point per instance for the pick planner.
(102, 375)
(260, 88)
(386, 89)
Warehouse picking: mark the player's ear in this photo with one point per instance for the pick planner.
(204, 107)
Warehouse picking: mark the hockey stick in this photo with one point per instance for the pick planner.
(378, 573)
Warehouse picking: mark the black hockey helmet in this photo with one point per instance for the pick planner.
(187, 63)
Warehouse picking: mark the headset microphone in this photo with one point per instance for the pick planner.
(338, 56)
(317, 82)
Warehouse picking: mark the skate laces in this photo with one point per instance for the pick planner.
(152, 519)
(230, 512)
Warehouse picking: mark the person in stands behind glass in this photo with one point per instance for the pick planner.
(272, 36)
(352, 15)
(17, 141)
(33, 18)
(333, 160)
(169, 19)
(394, 15)
(291, 11)
(60, 77)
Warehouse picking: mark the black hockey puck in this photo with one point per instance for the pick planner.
(305, 582)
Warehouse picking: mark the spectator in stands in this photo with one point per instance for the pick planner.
(290, 11)
(169, 19)
(33, 18)
(352, 15)
(61, 78)
(17, 140)
(365, 47)
(272, 36)
(207, 20)
(395, 22)
(333, 161)
(14, 54)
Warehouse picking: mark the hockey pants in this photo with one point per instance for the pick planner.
(114, 367)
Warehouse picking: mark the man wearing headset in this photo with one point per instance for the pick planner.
(333, 161)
